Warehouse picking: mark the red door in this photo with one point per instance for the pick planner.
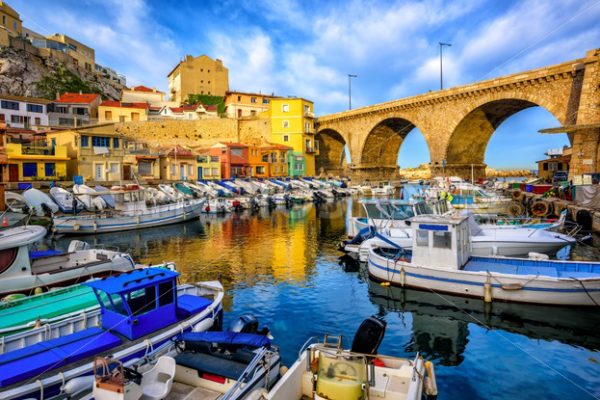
(13, 173)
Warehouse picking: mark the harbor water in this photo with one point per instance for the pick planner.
(283, 266)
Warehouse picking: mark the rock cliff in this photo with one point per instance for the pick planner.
(20, 70)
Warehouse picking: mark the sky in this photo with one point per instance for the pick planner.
(308, 47)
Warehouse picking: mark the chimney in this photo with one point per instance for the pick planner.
(57, 95)
(80, 92)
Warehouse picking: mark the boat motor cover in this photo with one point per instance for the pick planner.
(369, 335)
(227, 338)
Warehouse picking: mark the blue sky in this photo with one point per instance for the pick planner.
(307, 48)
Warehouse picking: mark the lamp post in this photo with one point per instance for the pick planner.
(441, 69)
(350, 76)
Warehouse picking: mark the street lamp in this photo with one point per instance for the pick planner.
(350, 76)
(441, 69)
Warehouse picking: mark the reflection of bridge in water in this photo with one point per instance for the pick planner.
(440, 322)
(457, 123)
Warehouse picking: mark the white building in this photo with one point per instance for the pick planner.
(143, 94)
(189, 112)
(23, 112)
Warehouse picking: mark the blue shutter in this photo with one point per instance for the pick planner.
(50, 169)
(29, 169)
(85, 141)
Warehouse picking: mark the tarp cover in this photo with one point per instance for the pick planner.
(232, 338)
(588, 196)
(43, 253)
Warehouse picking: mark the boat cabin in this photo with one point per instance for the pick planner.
(138, 302)
(401, 209)
(441, 241)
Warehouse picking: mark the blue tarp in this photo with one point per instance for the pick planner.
(43, 253)
(232, 338)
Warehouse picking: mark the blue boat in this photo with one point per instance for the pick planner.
(140, 310)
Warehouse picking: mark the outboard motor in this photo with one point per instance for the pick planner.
(246, 323)
(584, 219)
(336, 194)
(369, 335)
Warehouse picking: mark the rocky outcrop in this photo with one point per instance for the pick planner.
(20, 70)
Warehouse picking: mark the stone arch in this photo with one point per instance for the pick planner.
(331, 155)
(469, 139)
(382, 144)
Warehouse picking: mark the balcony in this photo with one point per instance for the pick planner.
(309, 131)
(310, 150)
(309, 114)
(37, 150)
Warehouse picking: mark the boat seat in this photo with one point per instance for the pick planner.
(31, 361)
(188, 304)
(497, 266)
(206, 363)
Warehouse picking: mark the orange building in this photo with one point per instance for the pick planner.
(234, 159)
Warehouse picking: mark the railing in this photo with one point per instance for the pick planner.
(310, 150)
(309, 114)
(43, 151)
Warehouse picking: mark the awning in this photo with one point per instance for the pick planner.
(146, 158)
(100, 150)
(570, 128)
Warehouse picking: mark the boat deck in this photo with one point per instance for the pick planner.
(181, 391)
(516, 266)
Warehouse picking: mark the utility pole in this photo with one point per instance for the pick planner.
(350, 76)
(441, 67)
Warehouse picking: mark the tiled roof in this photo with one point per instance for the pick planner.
(179, 151)
(142, 88)
(34, 100)
(210, 107)
(85, 98)
(114, 103)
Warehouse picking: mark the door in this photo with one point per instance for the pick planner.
(199, 173)
(13, 173)
(182, 172)
(127, 172)
(99, 172)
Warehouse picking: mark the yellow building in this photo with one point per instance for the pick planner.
(198, 75)
(96, 152)
(142, 94)
(116, 111)
(292, 124)
(84, 56)
(241, 104)
(36, 161)
(141, 162)
(209, 167)
(178, 164)
(10, 21)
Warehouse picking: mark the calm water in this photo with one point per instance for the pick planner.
(283, 267)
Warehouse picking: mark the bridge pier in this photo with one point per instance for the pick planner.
(360, 173)
(464, 171)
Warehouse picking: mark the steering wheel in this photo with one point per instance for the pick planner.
(344, 369)
(132, 375)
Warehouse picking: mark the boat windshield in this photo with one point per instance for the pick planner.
(388, 211)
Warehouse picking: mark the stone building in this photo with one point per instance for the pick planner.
(198, 75)
(10, 23)
(116, 111)
(84, 56)
(241, 104)
(143, 94)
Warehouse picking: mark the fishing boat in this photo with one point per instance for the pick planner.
(65, 200)
(172, 193)
(441, 260)
(141, 310)
(105, 195)
(23, 270)
(328, 371)
(131, 212)
(199, 365)
(39, 202)
(39, 314)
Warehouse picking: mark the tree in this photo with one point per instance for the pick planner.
(207, 99)
(61, 81)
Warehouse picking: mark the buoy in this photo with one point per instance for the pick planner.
(487, 291)
(402, 277)
(203, 325)
(4, 221)
(282, 370)
(38, 290)
(385, 284)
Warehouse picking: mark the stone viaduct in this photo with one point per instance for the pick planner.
(457, 123)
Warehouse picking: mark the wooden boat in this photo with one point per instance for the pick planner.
(441, 260)
(198, 365)
(24, 271)
(140, 311)
(327, 371)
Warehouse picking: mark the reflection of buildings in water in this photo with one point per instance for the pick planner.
(440, 321)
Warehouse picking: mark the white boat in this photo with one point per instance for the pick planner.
(104, 193)
(131, 212)
(441, 261)
(384, 189)
(216, 206)
(64, 199)
(327, 371)
(25, 271)
(140, 311)
(171, 192)
(89, 197)
(39, 202)
(200, 365)
(15, 202)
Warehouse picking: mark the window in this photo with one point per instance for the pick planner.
(265, 101)
(15, 25)
(215, 172)
(285, 108)
(552, 166)
(174, 169)
(85, 141)
(121, 118)
(19, 119)
(307, 143)
(260, 170)
(252, 112)
(112, 303)
(286, 138)
(113, 168)
(252, 99)
(189, 169)
(265, 158)
(165, 294)
(100, 141)
(50, 169)
(62, 109)
(145, 168)
(79, 111)
(142, 300)
(239, 98)
(306, 109)
(108, 115)
(2, 117)
(36, 108)
(38, 121)
(115, 143)
(442, 240)
(65, 121)
(9, 105)
(285, 123)
(422, 238)
(29, 169)
(4, 20)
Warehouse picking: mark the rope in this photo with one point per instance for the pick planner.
(585, 290)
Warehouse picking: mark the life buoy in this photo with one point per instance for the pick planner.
(539, 208)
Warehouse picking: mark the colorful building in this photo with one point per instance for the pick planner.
(178, 164)
(258, 165)
(197, 75)
(241, 104)
(116, 111)
(95, 152)
(558, 161)
(209, 167)
(189, 111)
(234, 159)
(32, 156)
(74, 109)
(292, 124)
(141, 162)
(3, 159)
(278, 159)
(142, 94)
(10, 23)
(23, 112)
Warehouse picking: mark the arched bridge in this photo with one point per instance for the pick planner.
(457, 123)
